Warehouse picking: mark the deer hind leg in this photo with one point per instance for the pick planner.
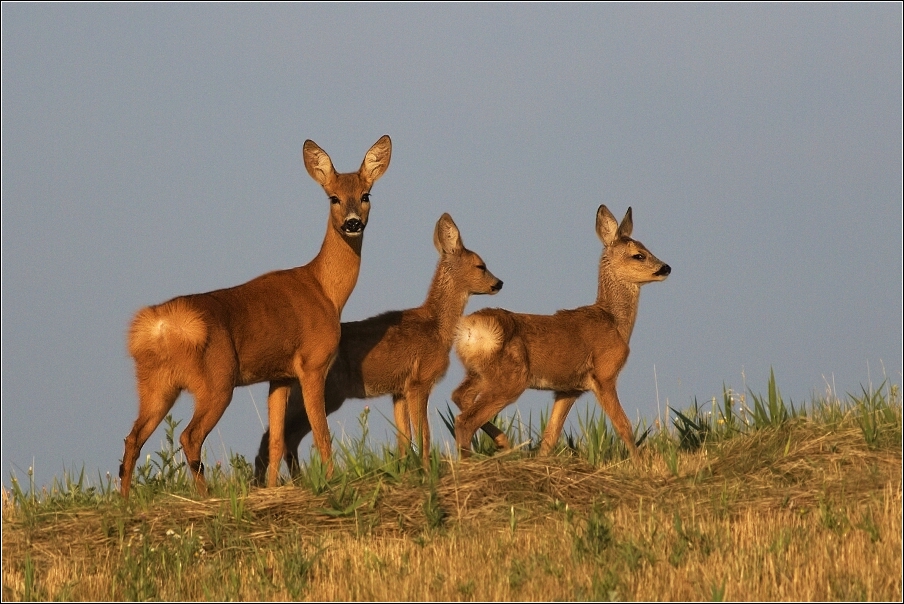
(560, 408)
(155, 400)
(210, 404)
(608, 399)
(478, 413)
(464, 396)
(498, 436)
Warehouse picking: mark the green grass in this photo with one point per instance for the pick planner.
(744, 497)
(877, 413)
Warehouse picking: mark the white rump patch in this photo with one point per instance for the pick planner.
(159, 328)
(174, 323)
(478, 336)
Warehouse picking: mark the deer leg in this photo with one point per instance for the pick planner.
(402, 418)
(560, 408)
(277, 399)
(313, 380)
(153, 405)
(498, 436)
(464, 396)
(485, 406)
(296, 429)
(608, 399)
(418, 396)
(262, 459)
(210, 404)
(297, 424)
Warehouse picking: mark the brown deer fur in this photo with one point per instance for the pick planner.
(401, 353)
(569, 352)
(283, 324)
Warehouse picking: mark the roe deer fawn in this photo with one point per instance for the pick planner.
(282, 324)
(570, 352)
(403, 353)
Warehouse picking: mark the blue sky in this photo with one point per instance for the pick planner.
(153, 150)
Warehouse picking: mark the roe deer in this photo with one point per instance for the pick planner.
(570, 352)
(283, 324)
(403, 353)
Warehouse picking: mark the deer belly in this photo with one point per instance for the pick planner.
(558, 384)
(265, 368)
(560, 377)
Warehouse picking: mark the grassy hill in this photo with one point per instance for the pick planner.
(751, 500)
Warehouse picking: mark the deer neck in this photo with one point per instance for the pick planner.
(618, 297)
(445, 303)
(337, 265)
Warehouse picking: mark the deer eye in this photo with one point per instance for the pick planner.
(365, 198)
(334, 199)
(639, 257)
(482, 267)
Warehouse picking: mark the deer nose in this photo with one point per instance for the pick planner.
(665, 271)
(497, 286)
(353, 225)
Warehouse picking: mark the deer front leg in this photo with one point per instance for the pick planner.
(276, 412)
(560, 408)
(418, 394)
(312, 381)
(608, 399)
(402, 419)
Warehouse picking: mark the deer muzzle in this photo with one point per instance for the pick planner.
(665, 271)
(353, 226)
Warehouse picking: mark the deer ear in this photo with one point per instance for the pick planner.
(446, 237)
(627, 225)
(318, 163)
(606, 225)
(377, 160)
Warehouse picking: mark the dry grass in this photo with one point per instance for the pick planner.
(800, 512)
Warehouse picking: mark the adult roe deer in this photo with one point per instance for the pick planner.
(403, 353)
(283, 324)
(569, 352)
